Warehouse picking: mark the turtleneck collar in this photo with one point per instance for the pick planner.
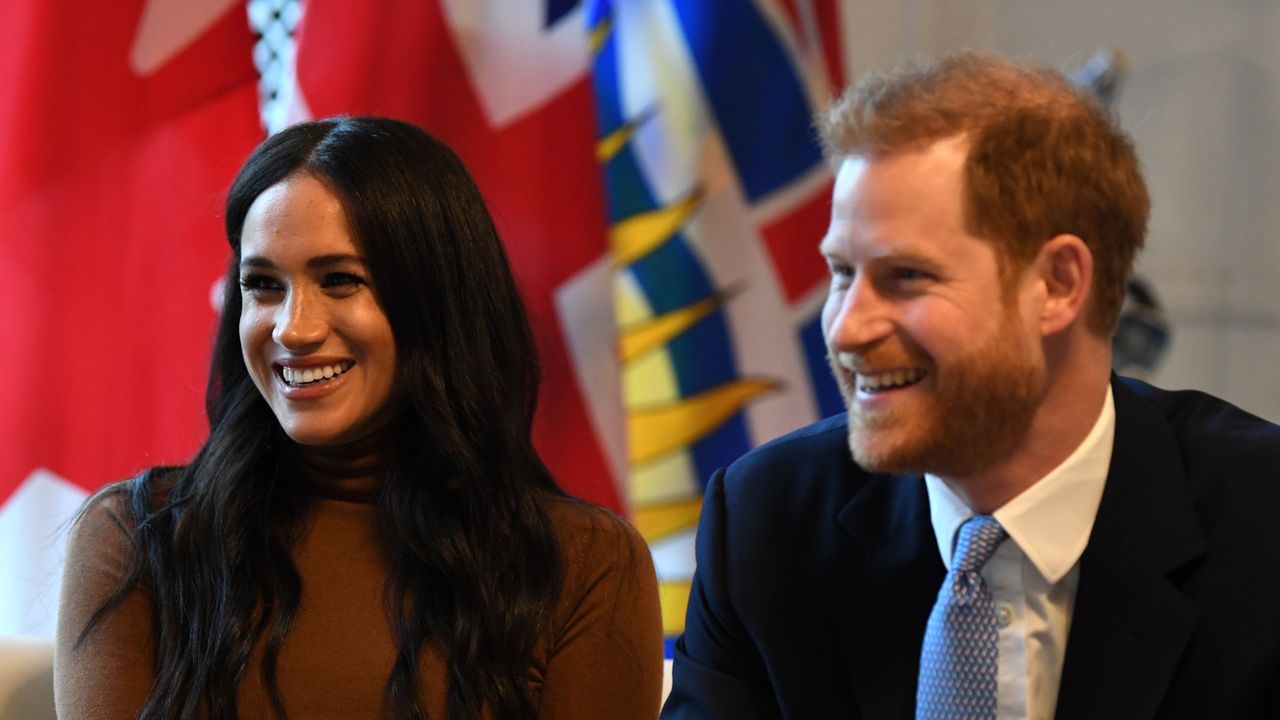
(352, 473)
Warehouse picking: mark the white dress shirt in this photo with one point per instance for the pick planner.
(1034, 574)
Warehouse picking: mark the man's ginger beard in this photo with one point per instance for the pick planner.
(978, 409)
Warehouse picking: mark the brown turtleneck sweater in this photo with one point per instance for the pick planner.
(600, 656)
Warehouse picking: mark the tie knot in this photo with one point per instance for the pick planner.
(979, 537)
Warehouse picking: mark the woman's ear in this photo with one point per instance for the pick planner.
(1065, 265)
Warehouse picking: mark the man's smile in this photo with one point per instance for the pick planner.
(880, 381)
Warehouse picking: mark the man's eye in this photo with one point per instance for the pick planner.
(259, 284)
(840, 270)
(908, 275)
(841, 276)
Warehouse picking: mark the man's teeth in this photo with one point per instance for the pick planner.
(873, 382)
(295, 376)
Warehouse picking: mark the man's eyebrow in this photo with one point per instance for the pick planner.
(913, 256)
(316, 263)
(910, 255)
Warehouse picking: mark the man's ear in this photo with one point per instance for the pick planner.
(1066, 269)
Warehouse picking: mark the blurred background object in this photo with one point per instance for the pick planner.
(26, 678)
(1143, 335)
(1102, 75)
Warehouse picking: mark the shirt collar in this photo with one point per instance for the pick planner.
(1051, 520)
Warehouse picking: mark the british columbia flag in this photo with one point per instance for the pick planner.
(717, 195)
(650, 163)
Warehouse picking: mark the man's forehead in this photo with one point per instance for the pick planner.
(921, 168)
(848, 172)
(906, 204)
(956, 144)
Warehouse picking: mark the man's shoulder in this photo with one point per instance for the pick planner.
(815, 449)
(1228, 459)
(824, 440)
(1208, 428)
(797, 472)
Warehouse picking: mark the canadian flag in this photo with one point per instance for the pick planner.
(121, 124)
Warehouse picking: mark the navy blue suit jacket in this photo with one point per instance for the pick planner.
(815, 578)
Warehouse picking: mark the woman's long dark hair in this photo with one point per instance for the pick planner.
(474, 565)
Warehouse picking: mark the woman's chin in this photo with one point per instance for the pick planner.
(314, 437)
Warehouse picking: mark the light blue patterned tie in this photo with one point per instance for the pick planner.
(958, 662)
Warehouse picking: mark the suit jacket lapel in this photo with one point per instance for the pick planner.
(1130, 623)
(881, 601)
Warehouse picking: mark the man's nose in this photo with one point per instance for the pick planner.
(863, 317)
(300, 322)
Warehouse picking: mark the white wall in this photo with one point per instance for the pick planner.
(1202, 99)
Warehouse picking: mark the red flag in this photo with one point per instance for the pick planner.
(511, 94)
(122, 124)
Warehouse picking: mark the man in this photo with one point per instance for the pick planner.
(984, 219)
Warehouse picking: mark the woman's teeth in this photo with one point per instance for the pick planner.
(312, 375)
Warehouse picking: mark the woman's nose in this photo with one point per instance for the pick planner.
(300, 322)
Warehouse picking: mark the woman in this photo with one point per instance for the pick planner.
(368, 531)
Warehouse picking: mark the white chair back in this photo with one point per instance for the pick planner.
(26, 678)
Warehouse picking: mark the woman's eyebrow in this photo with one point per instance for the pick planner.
(323, 261)
(319, 261)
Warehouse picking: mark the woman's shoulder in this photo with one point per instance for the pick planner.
(100, 547)
(109, 515)
(604, 555)
(103, 655)
(100, 543)
(587, 530)
(604, 651)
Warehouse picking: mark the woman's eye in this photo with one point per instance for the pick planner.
(340, 280)
(259, 283)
